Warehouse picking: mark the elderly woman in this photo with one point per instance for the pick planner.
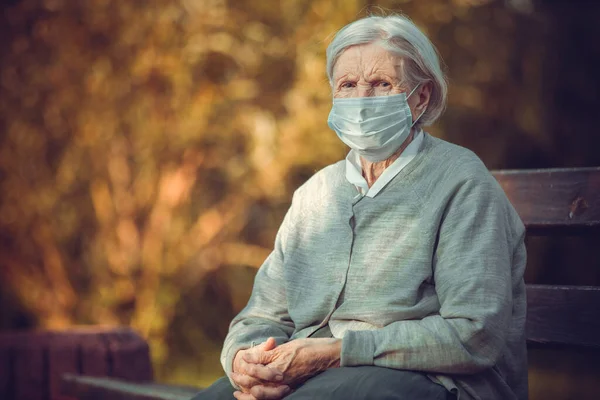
(397, 273)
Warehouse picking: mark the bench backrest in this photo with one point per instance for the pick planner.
(558, 202)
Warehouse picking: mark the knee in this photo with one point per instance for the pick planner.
(370, 382)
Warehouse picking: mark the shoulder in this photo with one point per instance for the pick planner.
(457, 163)
(451, 172)
(324, 180)
(319, 191)
(467, 189)
(450, 168)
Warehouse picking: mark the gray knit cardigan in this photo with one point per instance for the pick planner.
(426, 276)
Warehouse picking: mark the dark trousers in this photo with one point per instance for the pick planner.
(347, 383)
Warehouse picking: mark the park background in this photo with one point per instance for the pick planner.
(149, 150)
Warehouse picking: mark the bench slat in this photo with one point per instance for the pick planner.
(563, 315)
(554, 200)
(93, 388)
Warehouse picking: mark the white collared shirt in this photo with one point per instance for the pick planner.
(354, 168)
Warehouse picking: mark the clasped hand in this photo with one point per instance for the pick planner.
(271, 372)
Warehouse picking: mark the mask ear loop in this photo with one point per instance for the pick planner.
(420, 115)
(412, 91)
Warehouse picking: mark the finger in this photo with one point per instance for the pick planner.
(244, 381)
(269, 344)
(243, 396)
(262, 372)
(269, 392)
(257, 356)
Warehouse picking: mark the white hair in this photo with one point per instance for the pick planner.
(399, 35)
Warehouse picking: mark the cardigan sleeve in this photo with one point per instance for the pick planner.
(478, 239)
(266, 314)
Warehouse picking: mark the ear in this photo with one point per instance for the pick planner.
(419, 101)
(423, 96)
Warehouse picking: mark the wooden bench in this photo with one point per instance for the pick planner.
(559, 202)
(33, 364)
(556, 202)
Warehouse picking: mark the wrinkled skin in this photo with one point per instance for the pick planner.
(369, 70)
(267, 381)
(291, 364)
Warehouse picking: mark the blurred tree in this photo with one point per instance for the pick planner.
(148, 150)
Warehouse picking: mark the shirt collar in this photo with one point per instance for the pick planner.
(354, 168)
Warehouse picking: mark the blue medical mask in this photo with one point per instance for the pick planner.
(375, 127)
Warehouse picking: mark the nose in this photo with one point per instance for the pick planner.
(364, 91)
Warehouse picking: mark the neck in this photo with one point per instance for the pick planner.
(373, 170)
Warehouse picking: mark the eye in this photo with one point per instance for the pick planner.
(347, 85)
(383, 84)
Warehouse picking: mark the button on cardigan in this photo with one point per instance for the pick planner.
(426, 276)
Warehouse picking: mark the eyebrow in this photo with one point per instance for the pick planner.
(380, 76)
(347, 76)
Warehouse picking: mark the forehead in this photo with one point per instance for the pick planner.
(367, 58)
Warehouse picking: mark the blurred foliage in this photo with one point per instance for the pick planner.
(149, 149)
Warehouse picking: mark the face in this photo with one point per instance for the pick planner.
(369, 70)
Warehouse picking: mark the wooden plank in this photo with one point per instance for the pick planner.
(93, 356)
(6, 369)
(31, 370)
(63, 358)
(549, 200)
(130, 355)
(91, 388)
(563, 315)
